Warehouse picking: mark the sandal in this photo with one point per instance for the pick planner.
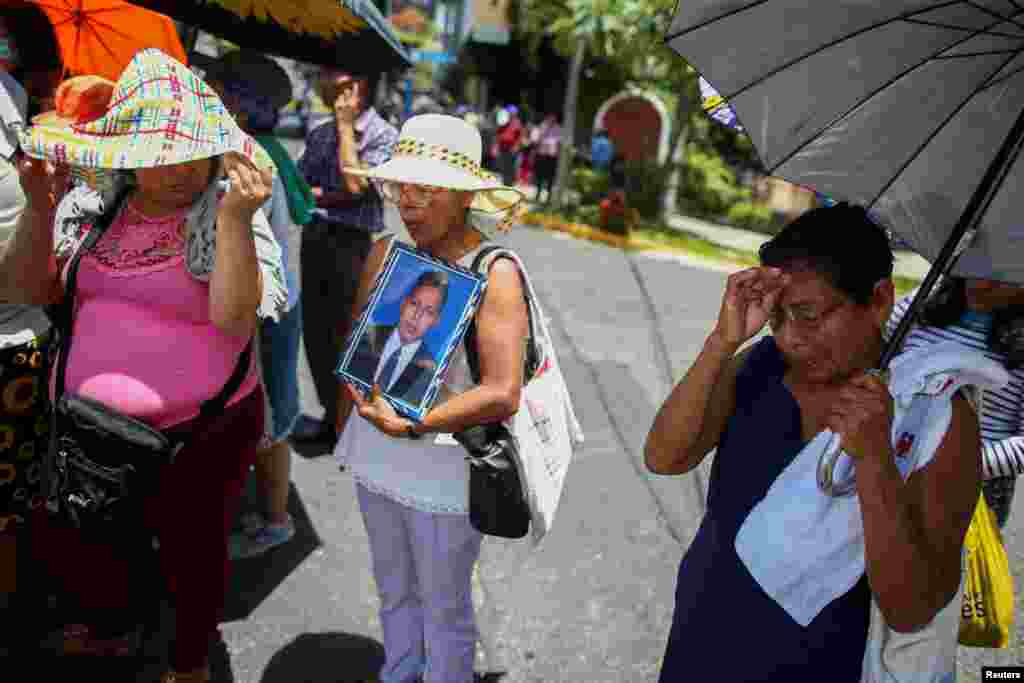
(194, 676)
(79, 641)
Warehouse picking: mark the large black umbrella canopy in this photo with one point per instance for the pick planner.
(912, 108)
(371, 47)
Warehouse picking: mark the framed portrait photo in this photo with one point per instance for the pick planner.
(413, 323)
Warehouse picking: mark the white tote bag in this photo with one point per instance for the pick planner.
(924, 656)
(545, 425)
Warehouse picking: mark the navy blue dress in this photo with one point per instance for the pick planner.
(725, 627)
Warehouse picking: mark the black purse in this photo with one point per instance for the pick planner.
(101, 464)
(497, 497)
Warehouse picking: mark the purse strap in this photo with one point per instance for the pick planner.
(531, 359)
(63, 315)
(65, 311)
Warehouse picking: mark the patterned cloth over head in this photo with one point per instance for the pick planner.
(160, 113)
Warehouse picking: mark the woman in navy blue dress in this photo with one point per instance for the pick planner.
(825, 288)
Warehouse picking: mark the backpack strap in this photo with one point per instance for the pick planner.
(532, 358)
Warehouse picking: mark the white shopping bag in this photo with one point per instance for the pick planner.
(545, 424)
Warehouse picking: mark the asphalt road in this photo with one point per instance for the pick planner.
(594, 602)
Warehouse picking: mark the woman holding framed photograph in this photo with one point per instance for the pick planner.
(412, 485)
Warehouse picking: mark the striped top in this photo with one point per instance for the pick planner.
(1002, 412)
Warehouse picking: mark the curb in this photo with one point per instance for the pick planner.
(580, 230)
(589, 232)
(592, 234)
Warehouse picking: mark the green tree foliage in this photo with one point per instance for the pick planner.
(628, 37)
(590, 184)
(756, 217)
(709, 185)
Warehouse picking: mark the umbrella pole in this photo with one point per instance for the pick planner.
(969, 220)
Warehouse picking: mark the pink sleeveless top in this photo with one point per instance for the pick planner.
(143, 342)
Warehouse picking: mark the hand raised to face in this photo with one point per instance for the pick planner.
(862, 416)
(750, 296)
(348, 102)
(42, 182)
(249, 189)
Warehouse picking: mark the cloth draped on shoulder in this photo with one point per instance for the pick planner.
(82, 204)
(805, 548)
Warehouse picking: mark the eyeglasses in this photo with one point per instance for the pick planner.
(806, 318)
(417, 196)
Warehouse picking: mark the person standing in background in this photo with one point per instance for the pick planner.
(510, 140)
(488, 125)
(528, 153)
(602, 151)
(336, 243)
(36, 64)
(24, 364)
(549, 138)
(986, 316)
(254, 88)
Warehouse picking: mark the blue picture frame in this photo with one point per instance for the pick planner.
(416, 378)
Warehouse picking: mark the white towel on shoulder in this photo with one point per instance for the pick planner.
(805, 548)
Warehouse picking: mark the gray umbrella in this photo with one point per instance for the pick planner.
(911, 108)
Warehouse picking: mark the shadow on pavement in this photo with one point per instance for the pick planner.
(312, 449)
(333, 658)
(325, 658)
(145, 669)
(254, 579)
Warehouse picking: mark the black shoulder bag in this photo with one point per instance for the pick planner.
(497, 498)
(101, 464)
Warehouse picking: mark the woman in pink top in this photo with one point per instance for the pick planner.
(549, 137)
(165, 303)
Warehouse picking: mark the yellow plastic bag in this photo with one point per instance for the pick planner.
(987, 614)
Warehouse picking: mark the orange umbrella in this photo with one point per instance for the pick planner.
(100, 37)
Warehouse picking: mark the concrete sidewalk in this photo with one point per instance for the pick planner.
(908, 263)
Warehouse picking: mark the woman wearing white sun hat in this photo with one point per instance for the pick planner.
(413, 491)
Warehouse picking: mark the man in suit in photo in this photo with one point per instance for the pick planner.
(394, 356)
